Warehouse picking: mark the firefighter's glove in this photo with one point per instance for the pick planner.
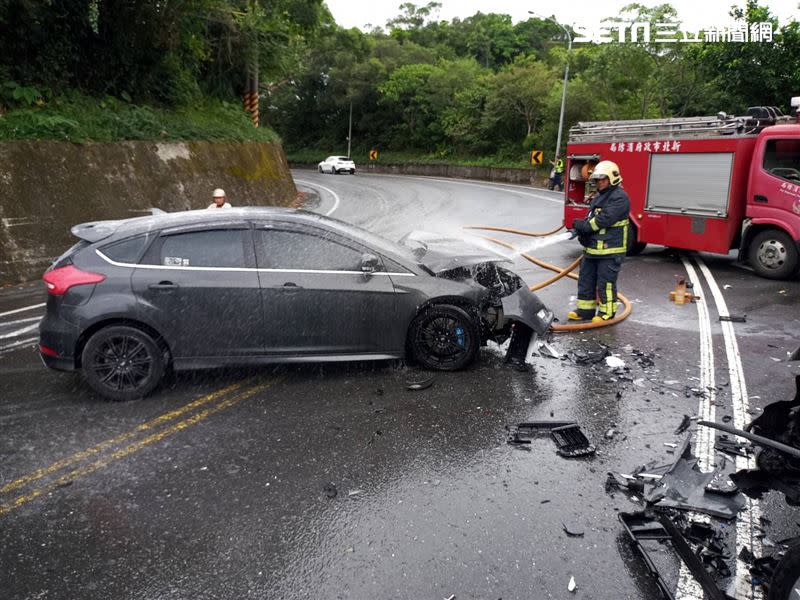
(584, 240)
(582, 227)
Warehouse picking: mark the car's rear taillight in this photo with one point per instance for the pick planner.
(47, 351)
(58, 281)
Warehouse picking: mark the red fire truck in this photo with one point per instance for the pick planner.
(710, 184)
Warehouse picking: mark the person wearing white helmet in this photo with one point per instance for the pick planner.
(219, 199)
(604, 236)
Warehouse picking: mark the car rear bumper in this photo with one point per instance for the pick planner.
(59, 363)
(57, 342)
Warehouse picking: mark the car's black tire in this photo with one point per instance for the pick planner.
(773, 254)
(786, 579)
(443, 337)
(320, 169)
(352, 171)
(635, 247)
(122, 363)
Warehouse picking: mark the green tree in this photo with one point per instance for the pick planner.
(518, 96)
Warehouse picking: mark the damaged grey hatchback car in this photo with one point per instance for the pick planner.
(201, 289)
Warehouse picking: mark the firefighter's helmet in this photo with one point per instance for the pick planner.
(606, 168)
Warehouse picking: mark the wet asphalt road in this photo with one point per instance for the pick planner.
(219, 485)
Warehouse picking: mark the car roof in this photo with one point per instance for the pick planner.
(98, 230)
(111, 231)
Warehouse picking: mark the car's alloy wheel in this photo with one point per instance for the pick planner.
(444, 337)
(122, 363)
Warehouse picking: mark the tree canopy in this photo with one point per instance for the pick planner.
(477, 85)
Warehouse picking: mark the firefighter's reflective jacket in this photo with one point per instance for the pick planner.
(609, 220)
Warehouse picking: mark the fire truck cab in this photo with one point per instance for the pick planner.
(710, 184)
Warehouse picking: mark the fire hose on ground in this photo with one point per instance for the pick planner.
(560, 273)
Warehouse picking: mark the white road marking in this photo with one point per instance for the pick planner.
(706, 409)
(18, 321)
(15, 345)
(330, 191)
(747, 518)
(23, 309)
(688, 588)
(19, 332)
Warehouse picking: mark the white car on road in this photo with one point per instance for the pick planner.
(337, 164)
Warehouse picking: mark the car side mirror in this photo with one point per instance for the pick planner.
(369, 263)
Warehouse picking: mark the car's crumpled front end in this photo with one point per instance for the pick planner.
(503, 299)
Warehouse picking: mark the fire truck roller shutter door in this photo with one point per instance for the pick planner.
(690, 183)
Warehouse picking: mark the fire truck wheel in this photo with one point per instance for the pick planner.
(785, 584)
(635, 247)
(773, 254)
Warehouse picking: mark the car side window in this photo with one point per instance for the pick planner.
(394, 267)
(211, 248)
(282, 249)
(126, 251)
(782, 159)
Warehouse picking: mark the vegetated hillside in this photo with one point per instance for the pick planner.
(480, 88)
(486, 87)
(102, 70)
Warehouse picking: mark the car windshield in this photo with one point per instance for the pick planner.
(375, 241)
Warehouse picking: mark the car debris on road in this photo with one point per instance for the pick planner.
(570, 440)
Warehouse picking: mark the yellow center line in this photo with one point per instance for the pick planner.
(131, 448)
(96, 449)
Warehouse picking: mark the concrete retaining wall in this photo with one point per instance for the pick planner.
(46, 187)
(521, 176)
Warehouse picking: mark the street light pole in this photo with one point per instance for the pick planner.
(350, 129)
(566, 77)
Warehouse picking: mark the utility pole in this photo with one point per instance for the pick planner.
(251, 92)
(566, 77)
(350, 129)
(251, 85)
(563, 92)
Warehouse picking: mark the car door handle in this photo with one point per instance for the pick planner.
(760, 198)
(291, 285)
(163, 286)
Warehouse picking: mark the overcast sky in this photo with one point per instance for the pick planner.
(694, 13)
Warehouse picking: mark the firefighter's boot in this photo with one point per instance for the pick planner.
(580, 315)
(599, 319)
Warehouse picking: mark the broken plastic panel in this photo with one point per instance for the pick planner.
(525, 307)
(729, 446)
(518, 434)
(420, 385)
(570, 440)
(589, 357)
(651, 535)
(684, 487)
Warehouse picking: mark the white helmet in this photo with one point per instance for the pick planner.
(606, 168)
(219, 193)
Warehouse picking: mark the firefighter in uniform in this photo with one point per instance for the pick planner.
(604, 236)
(558, 173)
